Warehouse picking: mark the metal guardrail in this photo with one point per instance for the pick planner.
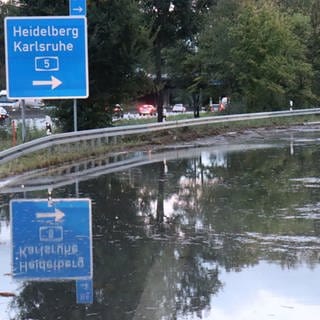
(86, 135)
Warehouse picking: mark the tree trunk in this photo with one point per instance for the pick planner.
(158, 82)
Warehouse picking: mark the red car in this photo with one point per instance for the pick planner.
(147, 109)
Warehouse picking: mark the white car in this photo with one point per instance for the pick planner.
(178, 107)
(11, 104)
(3, 113)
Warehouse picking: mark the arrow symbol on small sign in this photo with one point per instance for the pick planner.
(54, 82)
(79, 9)
(57, 215)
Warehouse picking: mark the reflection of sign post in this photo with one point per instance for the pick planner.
(51, 240)
(46, 57)
(84, 289)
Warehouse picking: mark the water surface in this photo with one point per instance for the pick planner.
(227, 233)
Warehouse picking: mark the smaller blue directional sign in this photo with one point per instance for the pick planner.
(51, 239)
(84, 289)
(46, 57)
(77, 7)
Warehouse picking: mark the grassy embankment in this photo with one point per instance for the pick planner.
(154, 140)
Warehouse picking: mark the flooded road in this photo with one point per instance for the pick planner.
(224, 233)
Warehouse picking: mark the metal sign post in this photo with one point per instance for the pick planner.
(23, 118)
(77, 8)
(75, 115)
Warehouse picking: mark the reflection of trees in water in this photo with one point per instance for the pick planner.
(160, 198)
(49, 301)
(136, 269)
(254, 194)
(155, 263)
(179, 282)
(4, 207)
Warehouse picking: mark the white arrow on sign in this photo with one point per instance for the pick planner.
(57, 215)
(54, 82)
(79, 9)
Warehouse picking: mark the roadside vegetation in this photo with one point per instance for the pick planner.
(160, 140)
(261, 54)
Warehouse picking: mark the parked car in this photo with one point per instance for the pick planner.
(178, 107)
(116, 110)
(11, 104)
(218, 107)
(33, 103)
(3, 114)
(147, 109)
(49, 107)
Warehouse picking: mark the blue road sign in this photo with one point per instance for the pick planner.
(46, 57)
(51, 239)
(84, 290)
(77, 7)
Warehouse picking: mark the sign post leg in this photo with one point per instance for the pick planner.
(23, 118)
(75, 123)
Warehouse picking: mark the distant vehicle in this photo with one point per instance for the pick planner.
(178, 107)
(147, 109)
(49, 107)
(116, 110)
(225, 101)
(215, 107)
(218, 107)
(3, 114)
(9, 103)
(32, 103)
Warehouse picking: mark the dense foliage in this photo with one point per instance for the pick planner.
(261, 54)
(258, 56)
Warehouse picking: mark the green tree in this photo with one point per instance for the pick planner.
(297, 6)
(171, 22)
(314, 44)
(43, 7)
(119, 49)
(186, 75)
(260, 58)
(8, 8)
(118, 45)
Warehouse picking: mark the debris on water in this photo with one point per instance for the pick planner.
(7, 294)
